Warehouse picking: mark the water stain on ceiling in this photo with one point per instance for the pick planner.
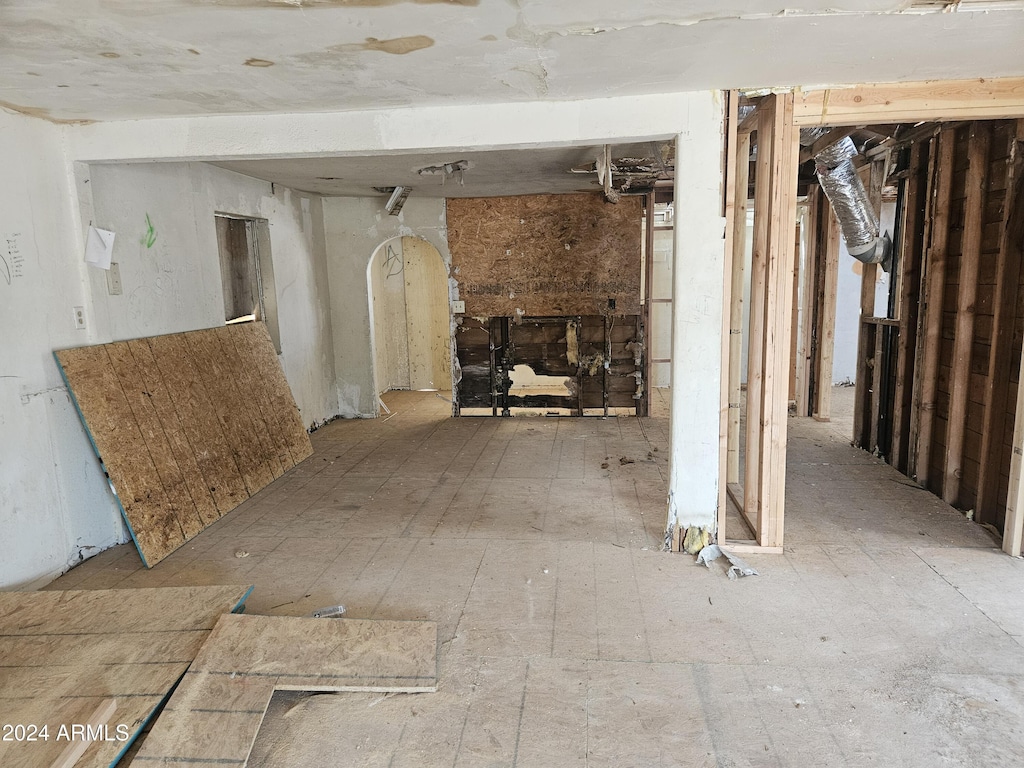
(398, 45)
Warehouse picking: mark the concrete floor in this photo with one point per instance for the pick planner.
(890, 633)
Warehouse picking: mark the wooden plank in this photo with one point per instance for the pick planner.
(877, 363)
(646, 317)
(756, 332)
(908, 263)
(934, 280)
(732, 157)
(171, 418)
(194, 409)
(75, 749)
(806, 346)
(240, 372)
(178, 507)
(216, 712)
(785, 152)
(246, 337)
(220, 373)
(798, 361)
(737, 259)
(974, 207)
(120, 447)
(65, 653)
(989, 98)
(1008, 274)
(427, 315)
(260, 352)
(179, 440)
(827, 319)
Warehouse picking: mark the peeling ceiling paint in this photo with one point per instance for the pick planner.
(122, 59)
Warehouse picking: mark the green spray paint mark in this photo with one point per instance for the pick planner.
(150, 237)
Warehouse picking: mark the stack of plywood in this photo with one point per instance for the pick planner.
(68, 655)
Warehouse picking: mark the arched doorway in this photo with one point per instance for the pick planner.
(410, 319)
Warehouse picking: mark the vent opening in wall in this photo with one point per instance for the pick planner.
(247, 272)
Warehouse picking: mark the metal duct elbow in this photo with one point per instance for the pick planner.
(844, 189)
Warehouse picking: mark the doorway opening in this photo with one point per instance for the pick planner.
(410, 319)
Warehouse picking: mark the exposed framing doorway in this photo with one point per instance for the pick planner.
(874, 104)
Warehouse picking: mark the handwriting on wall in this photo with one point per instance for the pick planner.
(12, 260)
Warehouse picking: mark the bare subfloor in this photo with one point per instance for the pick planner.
(891, 633)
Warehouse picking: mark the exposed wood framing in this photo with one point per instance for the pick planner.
(908, 270)
(911, 102)
(804, 348)
(737, 276)
(771, 314)
(1008, 274)
(931, 319)
(826, 320)
(963, 339)
(866, 402)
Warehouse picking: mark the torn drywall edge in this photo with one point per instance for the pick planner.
(737, 567)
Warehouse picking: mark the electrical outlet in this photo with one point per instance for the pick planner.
(114, 279)
(79, 315)
(458, 307)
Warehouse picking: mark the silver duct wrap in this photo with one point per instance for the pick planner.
(845, 190)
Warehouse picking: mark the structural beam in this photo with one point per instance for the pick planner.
(911, 102)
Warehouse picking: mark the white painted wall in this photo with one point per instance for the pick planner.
(356, 227)
(175, 284)
(698, 277)
(55, 507)
(844, 361)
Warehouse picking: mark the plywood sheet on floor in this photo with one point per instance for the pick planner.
(187, 426)
(63, 653)
(217, 710)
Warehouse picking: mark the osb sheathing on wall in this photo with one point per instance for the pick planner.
(187, 426)
(546, 255)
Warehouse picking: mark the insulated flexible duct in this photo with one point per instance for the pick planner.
(844, 189)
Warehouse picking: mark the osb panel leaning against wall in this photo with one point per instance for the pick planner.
(187, 426)
(546, 255)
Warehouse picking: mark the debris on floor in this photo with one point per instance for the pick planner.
(246, 658)
(328, 612)
(737, 567)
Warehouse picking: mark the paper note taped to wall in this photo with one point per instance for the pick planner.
(99, 247)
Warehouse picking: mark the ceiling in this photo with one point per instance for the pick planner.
(131, 59)
(487, 174)
(101, 60)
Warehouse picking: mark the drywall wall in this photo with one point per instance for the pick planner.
(55, 507)
(356, 227)
(166, 249)
(698, 275)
